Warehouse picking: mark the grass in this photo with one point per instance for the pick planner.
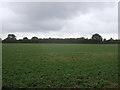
(60, 66)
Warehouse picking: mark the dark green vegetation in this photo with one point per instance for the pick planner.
(95, 39)
(60, 65)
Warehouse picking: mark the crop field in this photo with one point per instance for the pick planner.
(60, 66)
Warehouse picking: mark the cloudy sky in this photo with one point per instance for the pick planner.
(59, 20)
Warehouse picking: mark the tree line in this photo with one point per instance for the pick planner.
(95, 39)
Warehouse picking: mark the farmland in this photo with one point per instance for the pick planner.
(60, 65)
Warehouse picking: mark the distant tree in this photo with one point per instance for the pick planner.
(104, 39)
(82, 38)
(96, 37)
(25, 39)
(111, 39)
(49, 38)
(11, 38)
(34, 40)
(86, 38)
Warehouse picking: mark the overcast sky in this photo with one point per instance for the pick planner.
(59, 20)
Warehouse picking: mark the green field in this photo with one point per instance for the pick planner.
(60, 66)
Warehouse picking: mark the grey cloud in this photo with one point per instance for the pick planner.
(46, 17)
(40, 11)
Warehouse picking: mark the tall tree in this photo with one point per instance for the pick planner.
(97, 37)
(11, 37)
(25, 40)
(34, 40)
